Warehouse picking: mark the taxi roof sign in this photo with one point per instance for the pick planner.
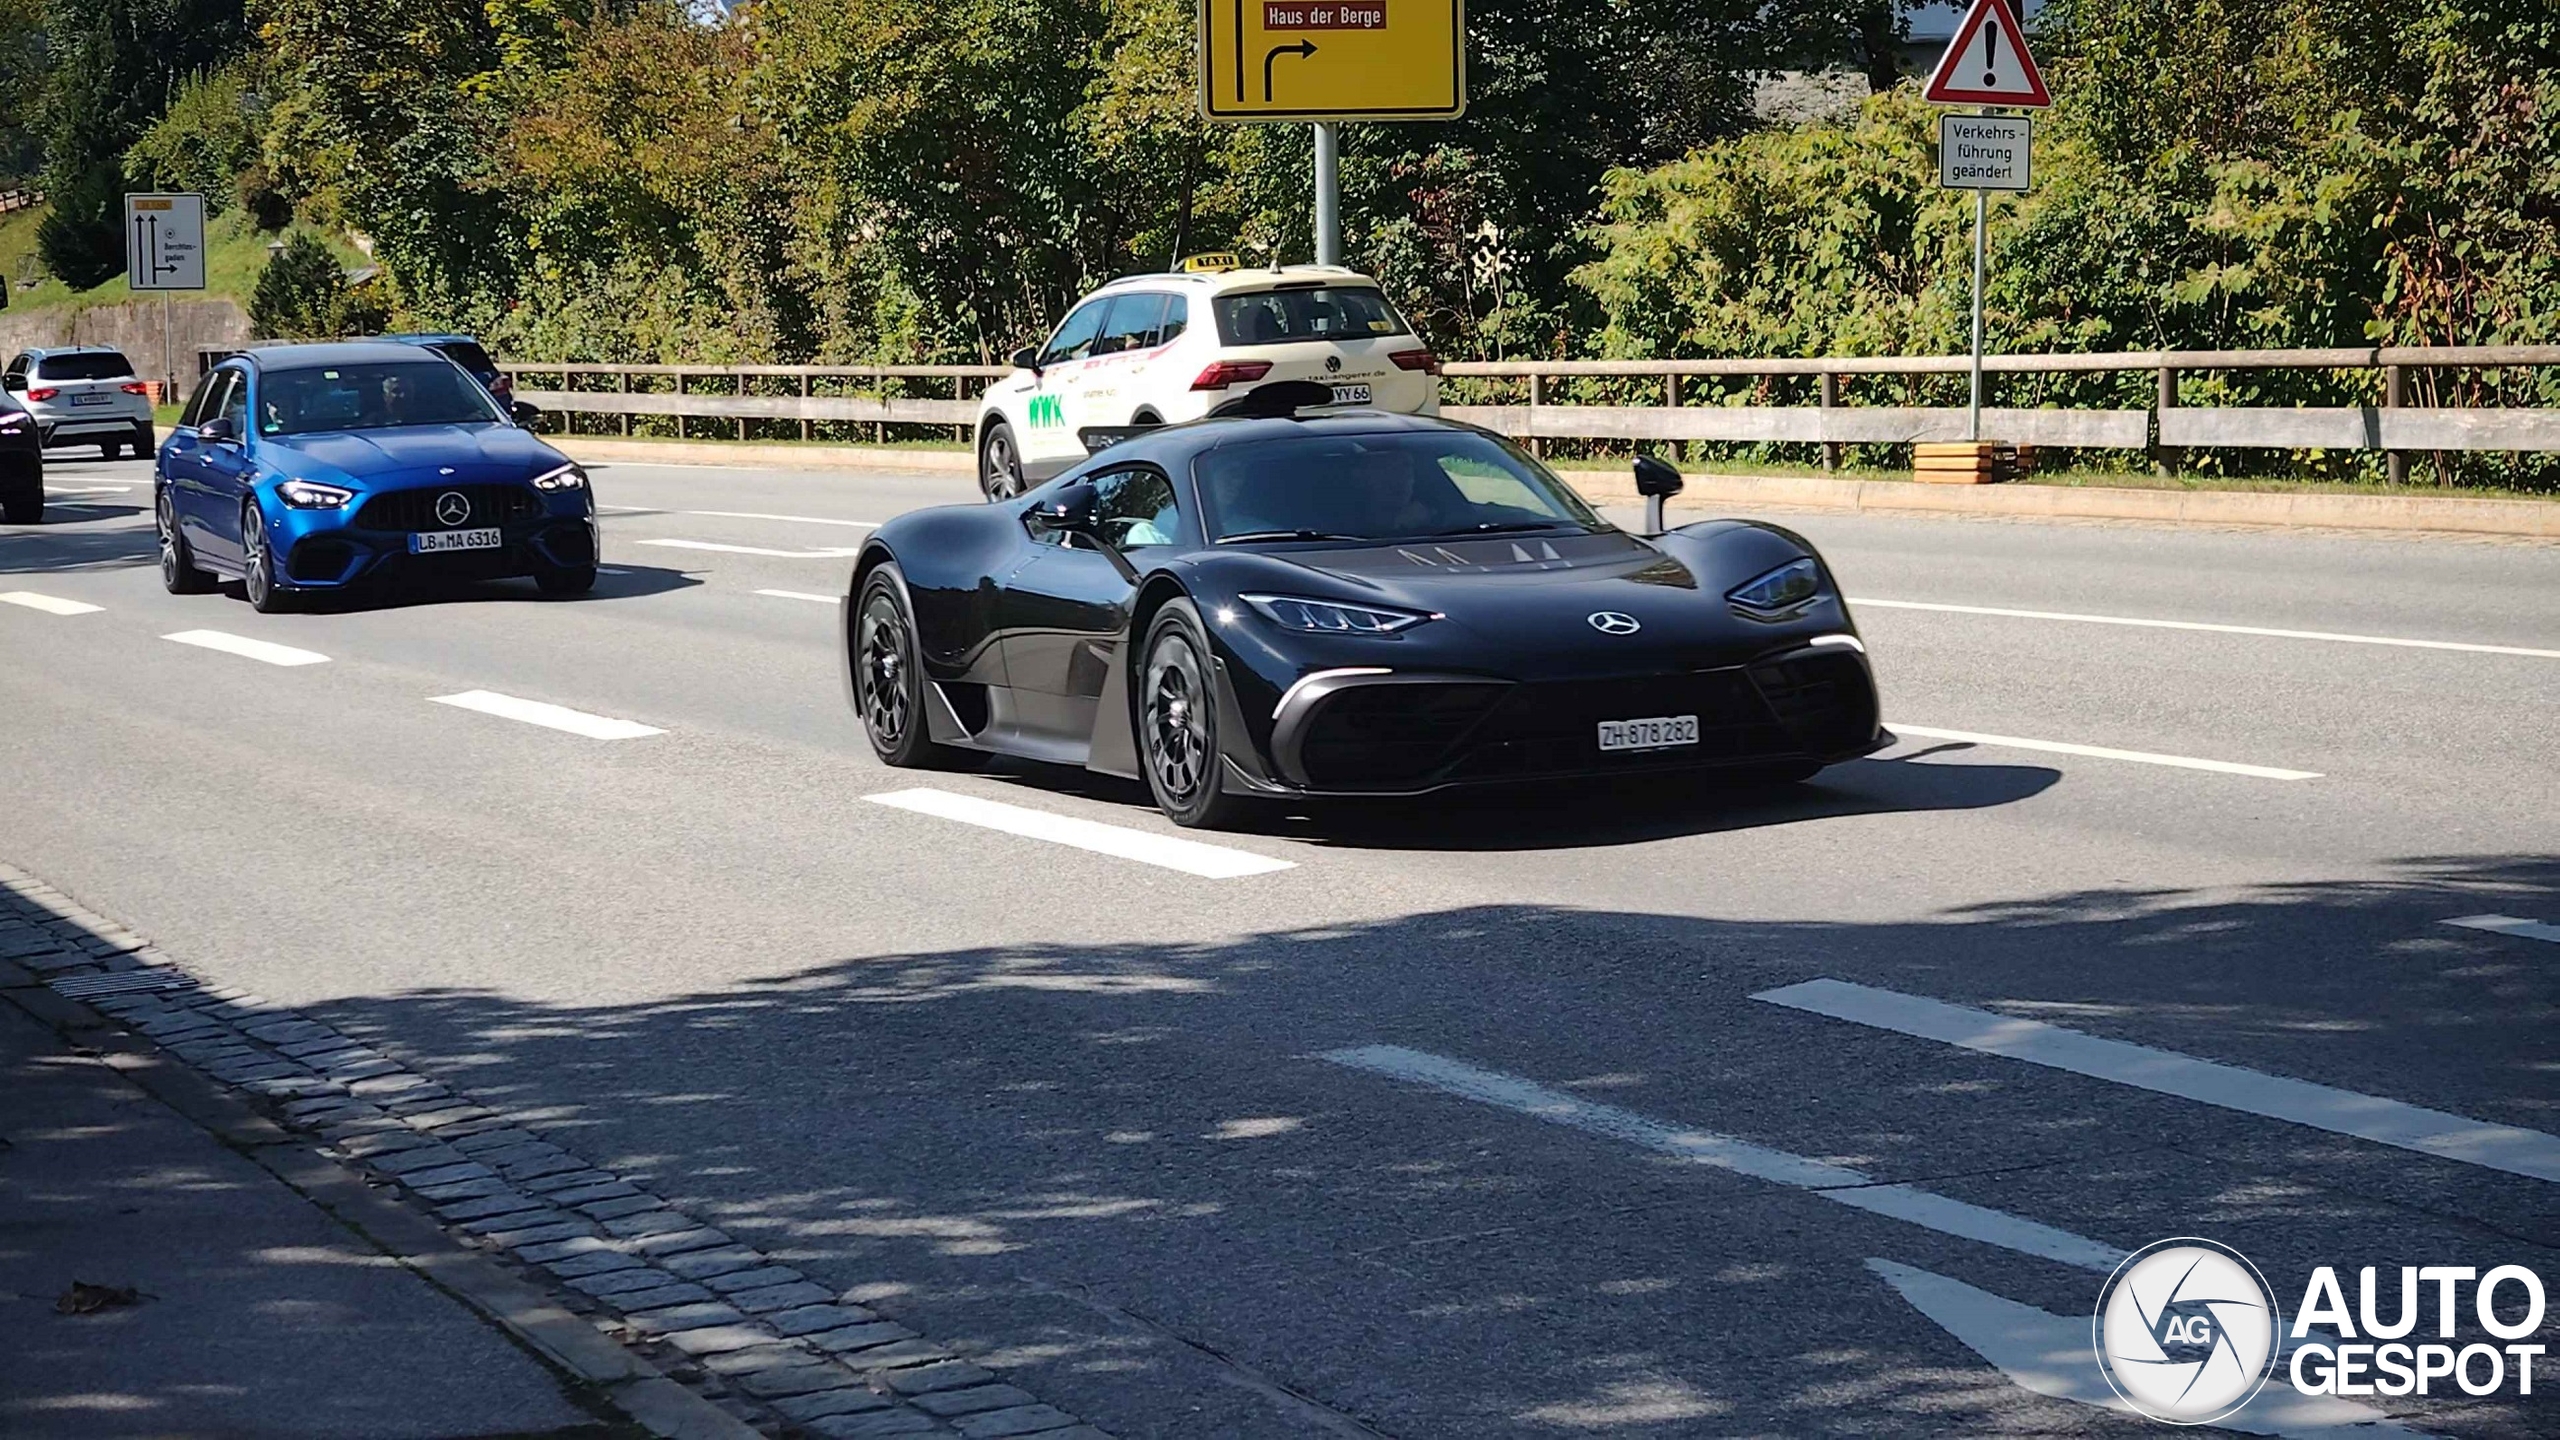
(1333, 59)
(1987, 62)
(1216, 262)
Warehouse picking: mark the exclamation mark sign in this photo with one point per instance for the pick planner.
(1991, 55)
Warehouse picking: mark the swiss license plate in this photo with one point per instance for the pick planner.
(1658, 732)
(1350, 394)
(98, 398)
(428, 541)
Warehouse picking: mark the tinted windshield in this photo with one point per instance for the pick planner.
(370, 397)
(1383, 487)
(1323, 312)
(89, 365)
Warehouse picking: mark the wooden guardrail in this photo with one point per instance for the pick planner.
(879, 396)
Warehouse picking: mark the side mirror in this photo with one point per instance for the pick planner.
(1027, 358)
(218, 431)
(1657, 482)
(1070, 511)
(14, 382)
(523, 414)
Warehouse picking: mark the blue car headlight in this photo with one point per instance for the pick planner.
(567, 477)
(1332, 617)
(1786, 588)
(312, 495)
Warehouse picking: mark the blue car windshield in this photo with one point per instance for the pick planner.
(1402, 485)
(381, 396)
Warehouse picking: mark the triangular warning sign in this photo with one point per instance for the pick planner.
(1987, 63)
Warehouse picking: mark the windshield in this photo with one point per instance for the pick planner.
(1396, 486)
(1319, 312)
(86, 365)
(370, 397)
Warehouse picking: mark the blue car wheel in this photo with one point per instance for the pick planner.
(267, 595)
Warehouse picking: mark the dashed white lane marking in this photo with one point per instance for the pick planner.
(2101, 752)
(1832, 1182)
(2258, 630)
(2496, 924)
(268, 651)
(556, 717)
(2510, 1148)
(803, 595)
(831, 553)
(793, 519)
(1214, 862)
(86, 489)
(49, 604)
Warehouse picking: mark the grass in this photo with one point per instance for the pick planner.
(2094, 478)
(235, 251)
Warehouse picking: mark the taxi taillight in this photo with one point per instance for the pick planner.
(1422, 360)
(1224, 373)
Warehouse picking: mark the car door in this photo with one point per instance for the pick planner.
(1116, 378)
(1046, 438)
(226, 470)
(1064, 609)
(182, 467)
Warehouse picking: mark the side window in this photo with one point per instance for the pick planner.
(1138, 508)
(1134, 323)
(235, 403)
(17, 372)
(1177, 318)
(1074, 340)
(195, 412)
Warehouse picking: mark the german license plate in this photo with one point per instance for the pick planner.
(98, 398)
(428, 541)
(1657, 732)
(1350, 394)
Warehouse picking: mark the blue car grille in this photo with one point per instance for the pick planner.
(415, 509)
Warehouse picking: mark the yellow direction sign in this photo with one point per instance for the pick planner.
(1333, 59)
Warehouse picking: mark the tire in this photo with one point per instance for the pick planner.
(110, 449)
(267, 595)
(178, 572)
(23, 507)
(144, 442)
(999, 463)
(888, 676)
(572, 580)
(1177, 723)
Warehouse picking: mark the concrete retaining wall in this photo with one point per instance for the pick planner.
(134, 328)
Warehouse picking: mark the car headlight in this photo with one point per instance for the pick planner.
(312, 495)
(567, 477)
(1781, 590)
(1332, 616)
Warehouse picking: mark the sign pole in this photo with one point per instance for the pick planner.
(1973, 412)
(1328, 193)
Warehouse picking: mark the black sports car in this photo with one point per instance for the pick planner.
(1274, 604)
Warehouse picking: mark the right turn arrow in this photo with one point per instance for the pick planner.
(1302, 49)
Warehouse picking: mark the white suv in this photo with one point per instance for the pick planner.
(83, 395)
(1162, 349)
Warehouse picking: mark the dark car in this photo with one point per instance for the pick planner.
(1346, 604)
(21, 465)
(467, 352)
(308, 468)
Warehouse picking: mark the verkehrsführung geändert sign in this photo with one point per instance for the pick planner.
(1984, 152)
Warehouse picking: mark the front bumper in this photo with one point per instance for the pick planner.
(337, 549)
(1400, 733)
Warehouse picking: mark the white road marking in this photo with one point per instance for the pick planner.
(1214, 862)
(268, 651)
(556, 717)
(2510, 1148)
(836, 553)
(49, 604)
(2101, 752)
(794, 519)
(2495, 924)
(1698, 1147)
(2259, 630)
(611, 570)
(803, 595)
(85, 489)
(2049, 1354)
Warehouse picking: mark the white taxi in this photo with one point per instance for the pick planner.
(1162, 349)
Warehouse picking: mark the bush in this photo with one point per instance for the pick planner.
(206, 139)
(302, 293)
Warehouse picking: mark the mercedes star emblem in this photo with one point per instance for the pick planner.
(1612, 622)
(453, 507)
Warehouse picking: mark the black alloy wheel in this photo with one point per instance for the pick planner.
(1178, 723)
(267, 595)
(888, 676)
(999, 463)
(178, 572)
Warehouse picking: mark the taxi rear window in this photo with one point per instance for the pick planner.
(1316, 312)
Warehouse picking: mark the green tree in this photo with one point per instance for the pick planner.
(207, 139)
(302, 292)
(116, 64)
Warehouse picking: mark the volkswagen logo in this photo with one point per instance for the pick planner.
(1332, 363)
(453, 507)
(1613, 622)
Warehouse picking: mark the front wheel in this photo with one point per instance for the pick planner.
(1178, 723)
(999, 463)
(267, 595)
(888, 676)
(178, 572)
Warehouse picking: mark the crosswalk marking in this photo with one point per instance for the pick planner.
(2101, 752)
(1191, 857)
(49, 604)
(2495, 924)
(555, 717)
(2510, 1148)
(1835, 1183)
(242, 645)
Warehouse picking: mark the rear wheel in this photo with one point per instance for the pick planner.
(999, 463)
(267, 595)
(178, 572)
(888, 676)
(1178, 723)
(110, 449)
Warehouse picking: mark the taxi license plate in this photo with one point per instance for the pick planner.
(426, 542)
(97, 398)
(1350, 394)
(1658, 732)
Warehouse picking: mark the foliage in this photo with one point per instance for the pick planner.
(206, 141)
(22, 81)
(115, 65)
(302, 294)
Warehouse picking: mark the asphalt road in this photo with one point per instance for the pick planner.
(1419, 1135)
